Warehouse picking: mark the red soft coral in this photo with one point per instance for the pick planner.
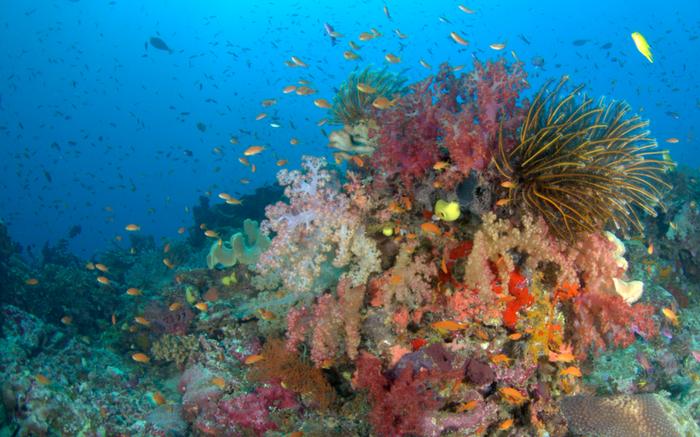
(602, 320)
(399, 406)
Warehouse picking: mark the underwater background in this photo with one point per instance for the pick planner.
(294, 218)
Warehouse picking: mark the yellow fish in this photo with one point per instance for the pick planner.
(642, 46)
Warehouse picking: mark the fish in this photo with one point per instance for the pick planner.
(201, 306)
(169, 264)
(671, 316)
(512, 395)
(266, 314)
(331, 33)
(101, 267)
(142, 321)
(266, 103)
(399, 34)
(159, 44)
(211, 234)
(441, 165)
(365, 88)
(502, 202)
(392, 59)
(131, 227)
(252, 359)
(642, 46)
(293, 141)
(219, 382)
(382, 102)
(181, 230)
(572, 371)
(103, 280)
(158, 398)
(366, 36)
(386, 12)
(425, 64)
(515, 336)
(234, 201)
(349, 55)
(42, 379)
(580, 42)
(32, 281)
(458, 39)
(500, 358)
(465, 9)
(253, 150)
(289, 89)
(497, 46)
(506, 424)
(133, 291)
(467, 406)
(672, 140)
(322, 103)
(564, 355)
(298, 62)
(140, 357)
(448, 325)
(260, 116)
(430, 228)
(67, 320)
(281, 162)
(175, 306)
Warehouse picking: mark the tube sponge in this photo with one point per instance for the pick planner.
(244, 248)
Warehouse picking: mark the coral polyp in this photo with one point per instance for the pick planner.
(583, 164)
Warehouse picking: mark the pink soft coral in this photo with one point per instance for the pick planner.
(318, 227)
(331, 320)
(601, 320)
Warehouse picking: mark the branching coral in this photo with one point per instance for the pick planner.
(583, 165)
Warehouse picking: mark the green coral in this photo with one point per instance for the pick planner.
(243, 247)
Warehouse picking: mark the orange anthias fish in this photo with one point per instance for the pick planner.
(219, 382)
(448, 325)
(158, 398)
(103, 280)
(132, 227)
(572, 371)
(252, 359)
(458, 39)
(253, 150)
(430, 228)
(467, 406)
(671, 316)
(500, 358)
(140, 357)
(512, 396)
(133, 291)
(32, 281)
(322, 103)
(564, 355)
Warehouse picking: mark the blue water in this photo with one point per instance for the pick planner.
(92, 130)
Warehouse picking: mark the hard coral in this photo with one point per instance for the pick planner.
(649, 415)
